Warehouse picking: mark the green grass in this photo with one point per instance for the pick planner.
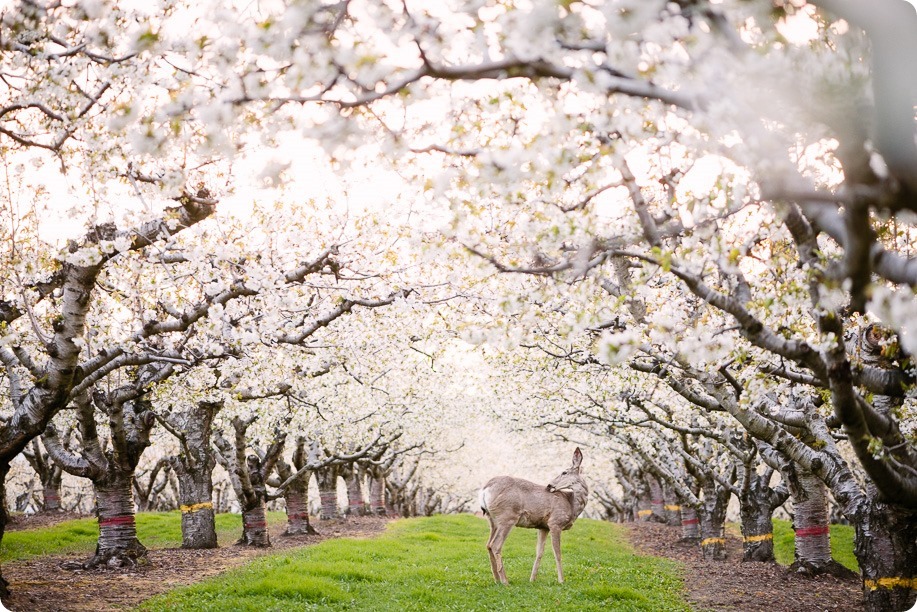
(440, 563)
(155, 530)
(841, 544)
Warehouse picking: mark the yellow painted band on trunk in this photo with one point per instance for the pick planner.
(891, 583)
(710, 541)
(196, 507)
(760, 538)
(644, 512)
(673, 508)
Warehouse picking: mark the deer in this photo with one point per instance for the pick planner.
(513, 502)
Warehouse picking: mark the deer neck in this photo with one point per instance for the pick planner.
(577, 499)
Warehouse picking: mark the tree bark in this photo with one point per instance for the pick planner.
(885, 546)
(756, 510)
(713, 522)
(118, 544)
(672, 507)
(195, 495)
(254, 527)
(194, 468)
(296, 495)
(690, 527)
(297, 502)
(657, 501)
(248, 476)
(377, 494)
(810, 522)
(327, 479)
(49, 473)
(353, 477)
(4, 519)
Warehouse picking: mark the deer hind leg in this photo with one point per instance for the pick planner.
(495, 546)
(490, 552)
(539, 550)
(555, 544)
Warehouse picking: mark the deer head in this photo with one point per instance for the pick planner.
(569, 478)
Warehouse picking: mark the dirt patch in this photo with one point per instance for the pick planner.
(750, 587)
(42, 584)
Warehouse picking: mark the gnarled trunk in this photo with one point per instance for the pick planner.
(297, 502)
(327, 479)
(885, 546)
(810, 522)
(51, 494)
(195, 494)
(690, 524)
(4, 519)
(757, 532)
(657, 501)
(377, 495)
(118, 544)
(254, 527)
(355, 504)
(713, 522)
(193, 467)
(673, 514)
(756, 509)
(49, 473)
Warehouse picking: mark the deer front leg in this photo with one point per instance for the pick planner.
(555, 544)
(539, 550)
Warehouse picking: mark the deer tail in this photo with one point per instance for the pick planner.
(484, 500)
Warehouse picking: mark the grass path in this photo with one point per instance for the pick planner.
(440, 563)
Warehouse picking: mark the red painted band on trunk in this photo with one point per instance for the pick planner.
(812, 531)
(127, 519)
(297, 515)
(689, 522)
(658, 502)
(255, 525)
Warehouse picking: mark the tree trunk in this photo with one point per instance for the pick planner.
(644, 509)
(885, 546)
(672, 507)
(254, 527)
(757, 531)
(118, 544)
(195, 495)
(193, 467)
(296, 497)
(51, 494)
(657, 501)
(4, 519)
(756, 509)
(810, 522)
(49, 473)
(327, 491)
(713, 522)
(355, 504)
(377, 495)
(690, 527)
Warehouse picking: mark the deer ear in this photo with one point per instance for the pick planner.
(577, 457)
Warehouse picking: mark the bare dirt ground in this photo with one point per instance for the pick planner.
(750, 587)
(42, 585)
